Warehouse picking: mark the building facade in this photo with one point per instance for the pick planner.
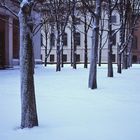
(136, 44)
(6, 40)
(80, 37)
(9, 37)
(80, 51)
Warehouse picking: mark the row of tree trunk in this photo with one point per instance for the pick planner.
(27, 25)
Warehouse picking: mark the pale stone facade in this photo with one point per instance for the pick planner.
(9, 38)
(136, 45)
(80, 48)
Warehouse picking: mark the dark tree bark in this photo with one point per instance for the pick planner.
(100, 54)
(101, 45)
(28, 103)
(85, 42)
(119, 59)
(62, 58)
(74, 54)
(128, 24)
(58, 51)
(46, 46)
(62, 50)
(100, 48)
(93, 61)
(122, 36)
(60, 12)
(110, 67)
(128, 16)
(71, 53)
(94, 48)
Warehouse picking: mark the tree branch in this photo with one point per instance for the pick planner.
(10, 10)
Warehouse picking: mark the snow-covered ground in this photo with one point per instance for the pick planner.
(68, 110)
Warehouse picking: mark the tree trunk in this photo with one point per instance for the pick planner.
(119, 68)
(93, 61)
(73, 34)
(71, 51)
(62, 57)
(28, 103)
(100, 52)
(58, 51)
(110, 67)
(46, 46)
(86, 47)
(94, 48)
(62, 46)
(100, 38)
(119, 55)
(125, 59)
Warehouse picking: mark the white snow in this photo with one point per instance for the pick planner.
(23, 2)
(68, 110)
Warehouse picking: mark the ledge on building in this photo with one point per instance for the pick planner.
(16, 61)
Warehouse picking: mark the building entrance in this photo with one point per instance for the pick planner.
(2, 52)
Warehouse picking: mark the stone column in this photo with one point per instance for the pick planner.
(37, 47)
(37, 40)
(9, 42)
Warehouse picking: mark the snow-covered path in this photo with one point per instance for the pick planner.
(68, 110)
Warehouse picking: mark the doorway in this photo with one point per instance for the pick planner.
(2, 52)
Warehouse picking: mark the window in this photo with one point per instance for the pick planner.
(113, 19)
(78, 58)
(113, 37)
(77, 39)
(52, 39)
(64, 58)
(41, 40)
(16, 39)
(41, 57)
(113, 57)
(134, 59)
(77, 21)
(134, 42)
(65, 39)
(1, 49)
(51, 58)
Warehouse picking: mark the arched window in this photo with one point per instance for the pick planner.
(113, 37)
(113, 19)
(65, 39)
(77, 39)
(134, 42)
(52, 39)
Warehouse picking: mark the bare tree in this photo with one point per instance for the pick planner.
(119, 56)
(59, 11)
(95, 40)
(102, 25)
(87, 26)
(129, 13)
(28, 28)
(73, 26)
(110, 67)
(29, 113)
